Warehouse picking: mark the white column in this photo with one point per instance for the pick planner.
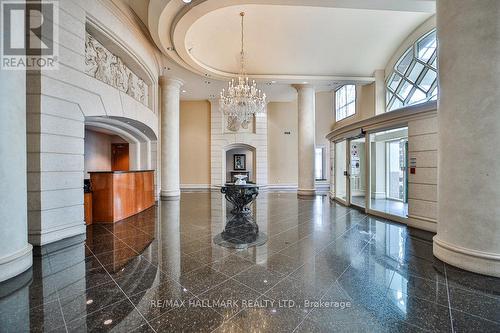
(15, 251)
(307, 125)
(380, 91)
(468, 229)
(170, 100)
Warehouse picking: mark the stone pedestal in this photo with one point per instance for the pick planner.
(241, 230)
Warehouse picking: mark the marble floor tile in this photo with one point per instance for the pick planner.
(202, 279)
(266, 319)
(188, 319)
(259, 278)
(91, 300)
(464, 322)
(476, 303)
(327, 268)
(121, 316)
(43, 318)
(231, 265)
(229, 297)
(300, 292)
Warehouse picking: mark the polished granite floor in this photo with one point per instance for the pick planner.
(325, 268)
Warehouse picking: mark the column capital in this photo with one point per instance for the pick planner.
(170, 81)
(301, 86)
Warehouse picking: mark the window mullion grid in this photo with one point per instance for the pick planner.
(431, 89)
(427, 66)
(410, 95)
(419, 79)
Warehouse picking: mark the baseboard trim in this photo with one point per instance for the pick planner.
(485, 263)
(16, 263)
(424, 223)
(282, 187)
(47, 236)
(195, 187)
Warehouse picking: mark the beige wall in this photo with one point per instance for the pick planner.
(365, 105)
(98, 151)
(282, 148)
(324, 116)
(195, 143)
(422, 186)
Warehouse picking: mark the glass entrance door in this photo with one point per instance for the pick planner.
(357, 172)
(389, 172)
(341, 171)
(396, 170)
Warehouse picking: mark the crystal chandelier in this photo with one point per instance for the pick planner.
(242, 100)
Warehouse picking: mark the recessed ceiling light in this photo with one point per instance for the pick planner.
(186, 1)
(184, 91)
(305, 82)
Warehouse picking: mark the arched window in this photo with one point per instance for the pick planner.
(414, 78)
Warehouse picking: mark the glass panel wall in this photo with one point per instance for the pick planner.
(357, 174)
(319, 164)
(340, 171)
(389, 171)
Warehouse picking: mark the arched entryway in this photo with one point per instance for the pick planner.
(239, 158)
(102, 133)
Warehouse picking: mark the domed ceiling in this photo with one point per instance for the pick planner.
(298, 41)
(321, 42)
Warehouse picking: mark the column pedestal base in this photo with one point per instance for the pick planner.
(170, 195)
(306, 192)
(16, 263)
(468, 259)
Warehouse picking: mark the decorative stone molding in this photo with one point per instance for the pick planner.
(223, 139)
(104, 66)
(233, 124)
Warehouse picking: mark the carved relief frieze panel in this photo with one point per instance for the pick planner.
(103, 65)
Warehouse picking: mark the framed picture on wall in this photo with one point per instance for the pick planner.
(240, 162)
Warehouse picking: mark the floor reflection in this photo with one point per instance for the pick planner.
(160, 271)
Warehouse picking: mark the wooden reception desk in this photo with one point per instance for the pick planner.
(117, 195)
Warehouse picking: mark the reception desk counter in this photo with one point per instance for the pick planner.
(117, 195)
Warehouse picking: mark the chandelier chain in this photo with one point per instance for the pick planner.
(242, 100)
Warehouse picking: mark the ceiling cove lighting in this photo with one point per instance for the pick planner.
(242, 100)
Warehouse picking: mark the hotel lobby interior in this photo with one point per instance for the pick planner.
(250, 166)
